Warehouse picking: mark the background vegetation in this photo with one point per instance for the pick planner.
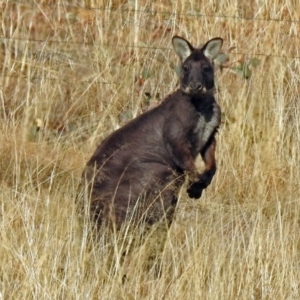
(72, 72)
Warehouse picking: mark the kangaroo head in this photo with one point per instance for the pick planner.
(196, 72)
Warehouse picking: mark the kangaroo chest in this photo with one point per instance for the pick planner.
(208, 122)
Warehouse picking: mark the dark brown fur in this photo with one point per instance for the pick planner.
(137, 170)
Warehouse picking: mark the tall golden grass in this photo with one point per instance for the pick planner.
(70, 74)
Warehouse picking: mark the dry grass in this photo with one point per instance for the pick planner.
(70, 75)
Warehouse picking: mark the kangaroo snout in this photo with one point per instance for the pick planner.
(195, 86)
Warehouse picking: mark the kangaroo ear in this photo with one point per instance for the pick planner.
(182, 47)
(212, 48)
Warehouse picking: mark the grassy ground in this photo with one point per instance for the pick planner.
(70, 75)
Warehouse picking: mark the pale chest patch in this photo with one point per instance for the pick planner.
(205, 128)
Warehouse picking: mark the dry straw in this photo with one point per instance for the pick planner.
(240, 241)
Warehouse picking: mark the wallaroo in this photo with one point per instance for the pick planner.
(136, 172)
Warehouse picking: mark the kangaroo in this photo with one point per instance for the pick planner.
(137, 171)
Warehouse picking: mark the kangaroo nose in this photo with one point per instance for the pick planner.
(195, 86)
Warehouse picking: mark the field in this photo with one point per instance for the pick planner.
(72, 73)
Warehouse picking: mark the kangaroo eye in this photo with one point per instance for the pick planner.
(185, 68)
(206, 69)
